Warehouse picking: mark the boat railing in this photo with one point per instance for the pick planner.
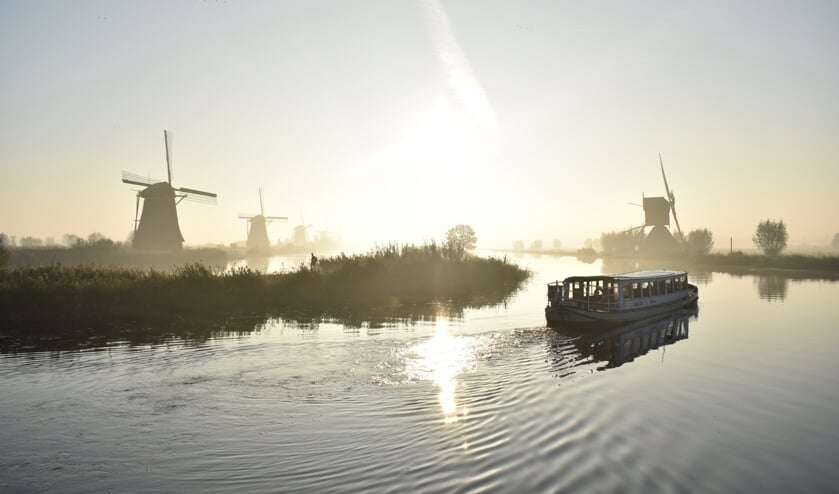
(598, 305)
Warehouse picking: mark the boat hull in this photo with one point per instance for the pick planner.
(569, 315)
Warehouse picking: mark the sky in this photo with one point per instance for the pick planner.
(392, 121)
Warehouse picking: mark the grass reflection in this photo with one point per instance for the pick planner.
(441, 359)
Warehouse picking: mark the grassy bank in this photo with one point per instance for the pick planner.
(792, 265)
(827, 265)
(388, 281)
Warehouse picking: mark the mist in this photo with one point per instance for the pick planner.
(394, 123)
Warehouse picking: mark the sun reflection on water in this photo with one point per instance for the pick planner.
(441, 359)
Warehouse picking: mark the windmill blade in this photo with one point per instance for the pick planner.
(196, 192)
(167, 139)
(132, 182)
(135, 179)
(195, 195)
(276, 217)
(199, 198)
(261, 209)
(664, 176)
(136, 213)
(247, 216)
(673, 208)
(670, 196)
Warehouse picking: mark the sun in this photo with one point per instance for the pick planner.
(445, 140)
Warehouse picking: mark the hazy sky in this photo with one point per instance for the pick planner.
(395, 120)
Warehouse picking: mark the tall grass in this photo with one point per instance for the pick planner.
(67, 298)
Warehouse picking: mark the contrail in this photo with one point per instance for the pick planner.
(463, 82)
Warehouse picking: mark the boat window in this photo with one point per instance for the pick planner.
(645, 289)
(668, 286)
(627, 291)
(655, 288)
(636, 290)
(577, 290)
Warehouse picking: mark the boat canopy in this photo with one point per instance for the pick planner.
(633, 276)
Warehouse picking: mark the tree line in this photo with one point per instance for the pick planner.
(770, 237)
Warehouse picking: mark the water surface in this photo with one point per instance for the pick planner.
(740, 397)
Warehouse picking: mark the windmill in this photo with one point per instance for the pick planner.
(257, 231)
(657, 212)
(325, 236)
(300, 237)
(157, 228)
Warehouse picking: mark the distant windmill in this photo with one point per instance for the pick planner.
(257, 231)
(300, 237)
(157, 227)
(325, 235)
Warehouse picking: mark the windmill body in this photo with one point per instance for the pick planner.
(258, 234)
(157, 228)
(300, 234)
(657, 210)
(258, 229)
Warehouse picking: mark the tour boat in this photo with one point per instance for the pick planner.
(607, 300)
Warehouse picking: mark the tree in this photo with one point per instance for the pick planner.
(96, 239)
(771, 237)
(836, 241)
(31, 242)
(73, 240)
(700, 241)
(4, 254)
(460, 239)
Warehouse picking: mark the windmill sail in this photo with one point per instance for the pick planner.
(670, 196)
(167, 139)
(135, 179)
(197, 192)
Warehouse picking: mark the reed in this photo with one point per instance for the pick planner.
(69, 298)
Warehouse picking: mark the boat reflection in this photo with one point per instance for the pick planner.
(617, 346)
